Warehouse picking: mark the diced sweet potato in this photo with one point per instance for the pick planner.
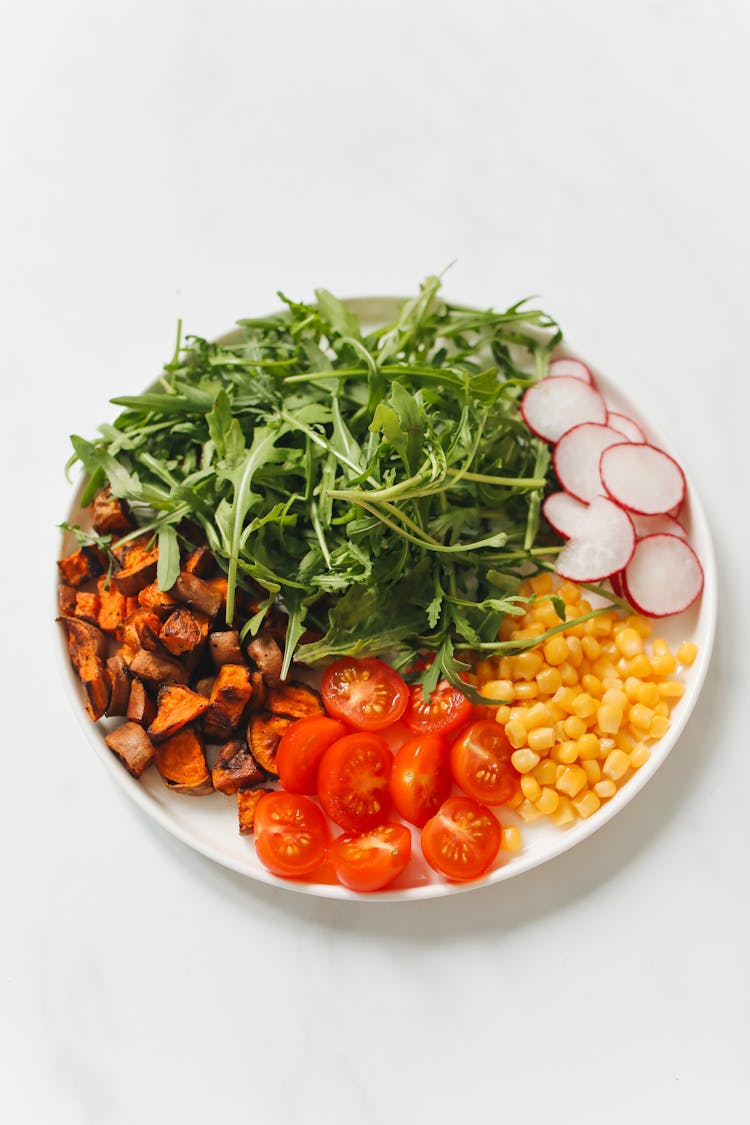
(84, 640)
(140, 630)
(94, 676)
(247, 803)
(140, 558)
(231, 693)
(184, 630)
(225, 647)
(120, 685)
(66, 600)
(205, 685)
(112, 605)
(176, 706)
(132, 746)
(158, 669)
(200, 562)
(264, 651)
(82, 565)
(193, 591)
(236, 768)
(87, 606)
(158, 601)
(182, 763)
(296, 700)
(109, 515)
(264, 733)
(141, 707)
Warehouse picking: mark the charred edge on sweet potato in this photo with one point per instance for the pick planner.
(132, 746)
(139, 561)
(198, 594)
(176, 707)
(158, 669)
(236, 768)
(293, 699)
(181, 761)
(82, 565)
(112, 605)
(141, 707)
(109, 515)
(267, 656)
(184, 630)
(264, 733)
(119, 677)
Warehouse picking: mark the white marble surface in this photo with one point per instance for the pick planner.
(162, 159)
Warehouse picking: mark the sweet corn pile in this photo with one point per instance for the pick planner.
(582, 709)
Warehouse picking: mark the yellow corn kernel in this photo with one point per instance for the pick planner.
(496, 689)
(588, 747)
(528, 633)
(641, 666)
(502, 715)
(564, 815)
(609, 718)
(641, 624)
(518, 714)
(565, 698)
(605, 745)
(524, 759)
(557, 714)
(541, 583)
(604, 668)
(612, 683)
(632, 687)
(659, 726)
(505, 668)
(639, 755)
(648, 694)
(592, 650)
(515, 800)
(629, 643)
(546, 614)
(664, 666)
(510, 839)
(625, 741)
(549, 680)
(515, 732)
(569, 593)
(538, 715)
(592, 684)
(571, 781)
(662, 708)
(672, 689)
(575, 651)
(616, 765)
(548, 801)
(526, 665)
(614, 697)
(528, 811)
(485, 669)
(565, 752)
(574, 726)
(546, 772)
(660, 646)
(601, 626)
(530, 788)
(525, 690)
(585, 705)
(605, 788)
(687, 653)
(586, 803)
(556, 650)
(541, 738)
(568, 674)
(640, 716)
(593, 771)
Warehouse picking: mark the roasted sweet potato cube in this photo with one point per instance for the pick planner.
(184, 630)
(193, 591)
(66, 600)
(157, 669)
(141, 707)
(112, 605)
(82, 565)
(140, 558)
(200, 562)
(247, 802)
(140, 630)
(181, 761)
(267, 656)
(236, 768)
(225, 647)
(231, 692)
(132, 746)
(264, 733)
(84, 640)
(158, 601)
(176, 706)
(109, 515)
(294, 699)
(205, 686)
(120, 685)
(94, 676)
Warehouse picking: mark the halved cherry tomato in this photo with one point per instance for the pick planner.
(481, 765)
(302, 746)
(371, 860)
(366, 693)
(291, 835)
(354, 780)
(448, 709)
(421, 778)
(462, 839)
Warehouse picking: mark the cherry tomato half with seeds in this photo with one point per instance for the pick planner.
(481, 765)
(302, 746)
(366, 694)
(371, 860)
(291, 835)
(462, 839)
(354, 779)
(421, 778)
(447, 711)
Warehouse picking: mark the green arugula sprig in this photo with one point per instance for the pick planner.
(379, 485)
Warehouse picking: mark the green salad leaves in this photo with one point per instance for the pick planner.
(377, 483)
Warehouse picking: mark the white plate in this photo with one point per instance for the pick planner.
(209, 824)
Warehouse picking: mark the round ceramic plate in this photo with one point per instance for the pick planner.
(209, 823)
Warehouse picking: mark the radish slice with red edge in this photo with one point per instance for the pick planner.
(653, 525)
(564, 513)
(642, 478)
(576, 458)
(625, 426)
(552, 406)
(615, 581)
(663, 577)
(567, 366)
(602, 547)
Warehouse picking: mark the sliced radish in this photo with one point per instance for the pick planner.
(576, 458)
(564, 513)
(602, 547)
(653, 525)
(642, 478)
(664, 576)
(615, 581)
(567, 366)
(552, 406)
(625, 426)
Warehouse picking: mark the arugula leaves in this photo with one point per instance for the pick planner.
(379, 485)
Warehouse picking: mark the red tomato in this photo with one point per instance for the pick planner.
(481, 765)
(462, 839)
(354, 781)
(371, 860)
(421, 778)
(302, 746)
(291, 835)
(447, 710)
(367, 694)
